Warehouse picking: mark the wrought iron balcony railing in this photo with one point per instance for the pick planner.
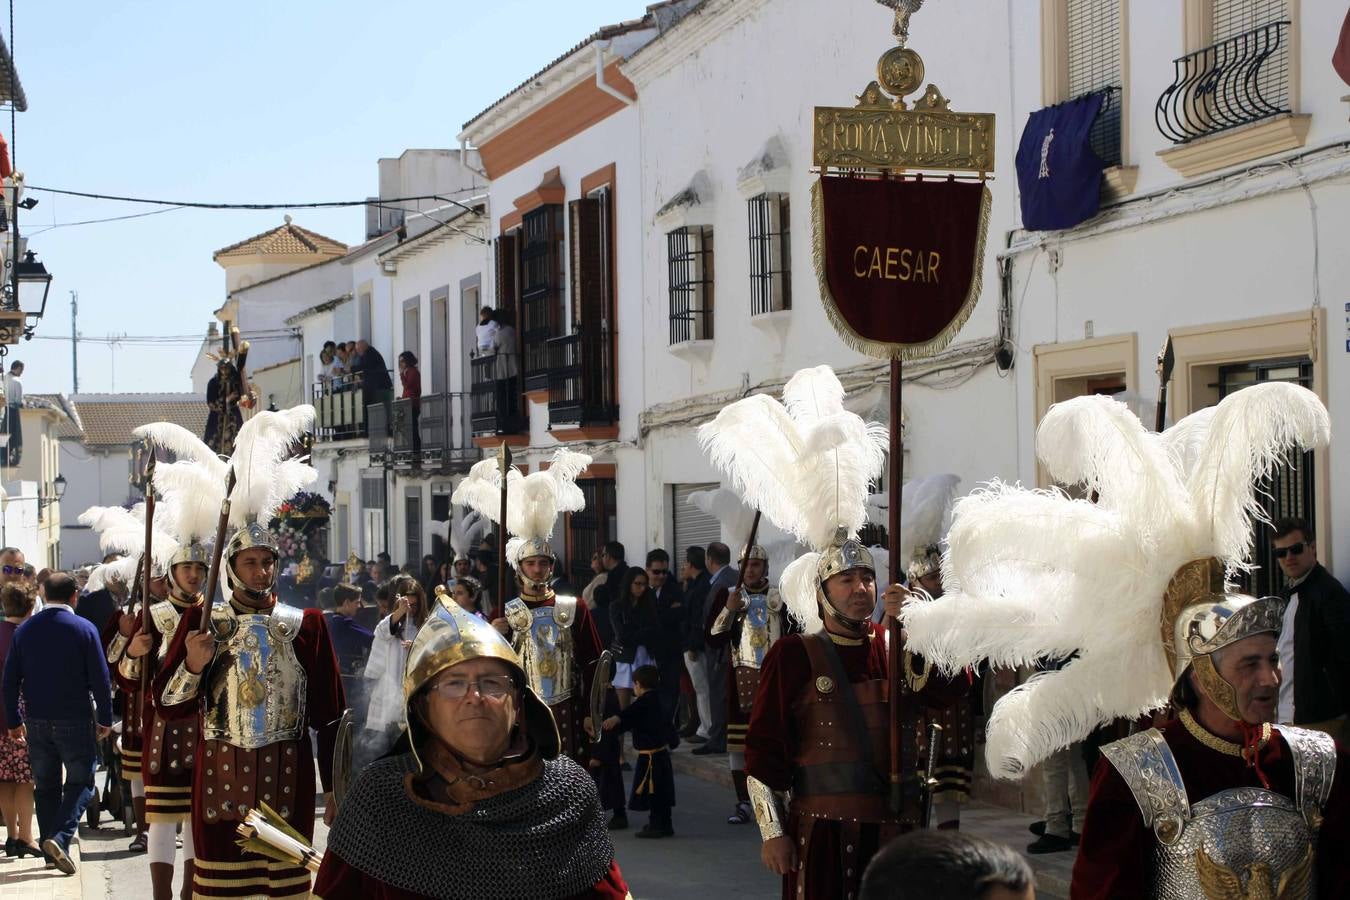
(581, 380)
(496, 406)
(1238, 81)
(437, 437)
(339, 407)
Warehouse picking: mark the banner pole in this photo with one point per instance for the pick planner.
(895, 650)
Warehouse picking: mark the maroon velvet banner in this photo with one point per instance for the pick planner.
(900, 262)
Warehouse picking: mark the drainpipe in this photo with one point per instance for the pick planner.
(600, 48)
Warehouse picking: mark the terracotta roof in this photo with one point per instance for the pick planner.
(286, 240)
(10, 92)
(57, 404)
(110, 419)
(650, 18)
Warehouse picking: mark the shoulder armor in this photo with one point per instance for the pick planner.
(165, 616)
(564, 610)
(775, 600)
(284, 623)
(223, 621)
(517, 614)
(1314, 755)
(1150, 770)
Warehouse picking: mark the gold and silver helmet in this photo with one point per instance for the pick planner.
(845, 554)
(925, 561)
(251, 536)
(191, 553)
(450, 636)
(1200, 618)
(754, 551)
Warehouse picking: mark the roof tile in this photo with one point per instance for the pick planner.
(110, 423)
(286, 240)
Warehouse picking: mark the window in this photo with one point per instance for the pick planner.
(1094, 61)
(1291, 490)
(770, 254)
(412, 326)
(590, 529)
(362, 317)
(1248, 28)
(440, 342)
(540, 290)
(689, 252)
(412, 526)
(689, 525)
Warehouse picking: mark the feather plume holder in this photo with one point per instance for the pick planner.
(266, 833)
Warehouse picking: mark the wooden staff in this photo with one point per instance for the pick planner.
(895, 652)
(147, 572)
(217, 551)
(1167, 360)
(504, 467)
(754, 533)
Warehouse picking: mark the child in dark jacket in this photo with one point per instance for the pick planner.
(653, 736)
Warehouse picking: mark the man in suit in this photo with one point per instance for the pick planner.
(721, 583)
(671, 614)
(696, 580)
(1314, 643)
(612, 557)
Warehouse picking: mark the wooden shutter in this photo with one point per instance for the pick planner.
(506, 271)
(587, 258)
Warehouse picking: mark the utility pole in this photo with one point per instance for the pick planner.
(74, 343)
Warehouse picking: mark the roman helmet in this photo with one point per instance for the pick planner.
(450, 636)
(532, 505)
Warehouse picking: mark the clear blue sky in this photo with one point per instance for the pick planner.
(252, 101)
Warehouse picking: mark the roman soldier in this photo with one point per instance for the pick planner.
(260, 674)
(187, 510)
(954, 754)
(484, 804)
(748, 621)
(119, 577)
(817, 753)
(1218, 802)
(553, 634)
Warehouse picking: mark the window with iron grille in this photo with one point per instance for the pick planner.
(1290, 490)
(770, 253)
(412, 526)
(1095, 65)
(540, 290)
(590, 528)
(1234, 18)
(372, 491)
(689, 252)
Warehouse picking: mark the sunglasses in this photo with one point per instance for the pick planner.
(1280, 552)
(655, 572)
(12, 570)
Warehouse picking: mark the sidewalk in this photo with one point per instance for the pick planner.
(29, 879)
(1053, 870)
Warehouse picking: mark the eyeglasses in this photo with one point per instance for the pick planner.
(493, 686)
(1279, 553)
(12, 570)
(655, 572)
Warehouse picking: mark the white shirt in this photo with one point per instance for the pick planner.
(1285, 646)
(385, 667)
(13, 390)
(485, 332)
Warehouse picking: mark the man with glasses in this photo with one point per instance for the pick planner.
(1314, 642)
(11, 565)
(671, 614)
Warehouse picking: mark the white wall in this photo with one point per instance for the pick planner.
(20, 520)
(264, 309)
(92, 479)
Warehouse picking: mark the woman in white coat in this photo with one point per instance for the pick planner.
(388, 659)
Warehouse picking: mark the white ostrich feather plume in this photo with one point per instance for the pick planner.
(1034, 574)
(265, 476)
(806, 462)
(925, 514)
(123, 531)
(193, 493)
(462, 530)
(533, 501)
(737, 519)
(183, 444)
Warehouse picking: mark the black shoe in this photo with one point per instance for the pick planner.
(1050, 843)
(618, 822)
(9, 847)
(21, 850)
(708, 750)
(695, 738)
(649, 832)
(1075, 837)
(1037, 828)
(58, 857)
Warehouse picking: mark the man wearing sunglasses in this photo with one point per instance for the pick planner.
(11, 565)
(1314, 644)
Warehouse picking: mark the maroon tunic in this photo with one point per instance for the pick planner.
(741, 680)
(839, 846)
(133, 715)
(169, 746)
(281, 773)
(1115, 857)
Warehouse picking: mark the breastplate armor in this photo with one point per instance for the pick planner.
(256, 691)
(761, 625)
(543, 639)
(1242, 842)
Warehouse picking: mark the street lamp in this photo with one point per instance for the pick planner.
(34, 281)
(58, 491)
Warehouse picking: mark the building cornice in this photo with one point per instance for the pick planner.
(693, 33)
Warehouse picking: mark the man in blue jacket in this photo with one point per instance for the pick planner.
(56, 663)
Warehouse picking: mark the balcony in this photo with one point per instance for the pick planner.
(340, 410)
(535, 338)
(1235, 82)
(496, 406)
(438, 439)
(581, 381)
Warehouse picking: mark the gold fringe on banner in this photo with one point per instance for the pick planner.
(880, 349)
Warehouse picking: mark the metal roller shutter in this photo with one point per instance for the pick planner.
(693, 527)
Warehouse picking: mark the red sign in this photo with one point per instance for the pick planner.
(900, 262)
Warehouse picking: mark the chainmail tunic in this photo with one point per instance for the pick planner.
(544, 840)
